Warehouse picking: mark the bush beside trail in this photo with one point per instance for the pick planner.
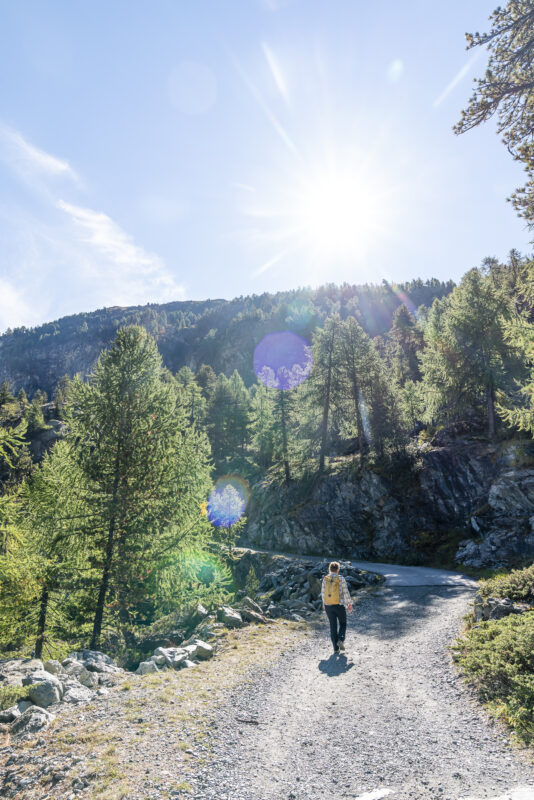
(497, 654)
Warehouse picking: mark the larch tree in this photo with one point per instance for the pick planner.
(145, 467)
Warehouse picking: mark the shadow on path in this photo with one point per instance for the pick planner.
(393, 612)
(335, 665)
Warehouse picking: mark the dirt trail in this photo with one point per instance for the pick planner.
(389, 719)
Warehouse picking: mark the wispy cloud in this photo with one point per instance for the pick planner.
(134, 274)
(14, 310)
(460, 75)
(60, 256)
(27, 158)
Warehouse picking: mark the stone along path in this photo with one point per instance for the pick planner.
(390, 718)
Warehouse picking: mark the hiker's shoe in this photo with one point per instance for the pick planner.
(341, 646)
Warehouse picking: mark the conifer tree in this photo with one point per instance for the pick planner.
(467, 358)
(262, 424)
(354, 362)
(146, 469)
(324, 377)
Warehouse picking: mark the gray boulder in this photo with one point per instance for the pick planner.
(252, 616)
(230, 617)
(54, 667)
(44, 689)
(146, 667)
(202, 650)
(496, 608)
(14, 670)
(76, 693)
(77, 670)
(159, 660)
(9, 714)
(248, 602)
(34, 719)
(174, 656)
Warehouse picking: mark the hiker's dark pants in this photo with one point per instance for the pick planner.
(337, 614)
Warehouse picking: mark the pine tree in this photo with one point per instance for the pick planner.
(262, 425)
(409, 341)
(206, 379)
(193, 400)
(5, 394)
(467, 358)
(507, 90)
(354, 361)
(54, 525)
(228, 419)
(324, 377)
(146, 470)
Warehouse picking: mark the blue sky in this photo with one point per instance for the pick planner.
(163, 150)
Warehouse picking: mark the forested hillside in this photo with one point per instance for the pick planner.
(219, 333)
(111, 521)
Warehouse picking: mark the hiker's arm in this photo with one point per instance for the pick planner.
(346, 594)
(322, 594)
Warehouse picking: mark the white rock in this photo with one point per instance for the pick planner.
(76, 693)
(146, 667)
(203, 649)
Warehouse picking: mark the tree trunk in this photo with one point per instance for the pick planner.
(41, 624)
(326, 407)
(108, 559)
(359, 423)
(284, 435)
(491, 411)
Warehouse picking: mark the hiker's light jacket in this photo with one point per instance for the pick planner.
(344, 594)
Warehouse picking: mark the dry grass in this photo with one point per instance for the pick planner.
(156, 718)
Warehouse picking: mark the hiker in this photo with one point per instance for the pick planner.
(336, 599)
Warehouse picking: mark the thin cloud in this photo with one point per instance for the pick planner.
(14, 309)
(25, 157)
(137, 274)
(455, 81)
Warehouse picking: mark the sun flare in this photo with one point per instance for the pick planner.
(338, 212)
(334, 211)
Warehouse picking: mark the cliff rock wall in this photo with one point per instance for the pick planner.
(469, 502)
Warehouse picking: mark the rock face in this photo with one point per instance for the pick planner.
(477, 494)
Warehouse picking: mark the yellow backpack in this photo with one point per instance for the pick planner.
(331, 591)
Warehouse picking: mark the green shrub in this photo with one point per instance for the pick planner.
(9, 695)
(497, 657)
(518, 585)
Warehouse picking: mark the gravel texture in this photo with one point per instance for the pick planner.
(391, 718)
(276, 715)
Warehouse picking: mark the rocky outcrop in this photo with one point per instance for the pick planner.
(78, 679)
(477, 494)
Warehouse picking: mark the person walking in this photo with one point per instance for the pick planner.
(336, 600)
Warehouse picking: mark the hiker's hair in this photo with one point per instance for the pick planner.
(334, 566)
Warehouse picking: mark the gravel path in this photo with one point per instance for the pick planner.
(389, 719)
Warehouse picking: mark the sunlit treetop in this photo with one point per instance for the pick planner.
(507, 90)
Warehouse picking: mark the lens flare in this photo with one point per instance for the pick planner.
(299, 314)
(282, 360)
(227, 501)
(403, 297)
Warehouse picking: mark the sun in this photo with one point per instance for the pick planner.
(338, 211)
(328, 213)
